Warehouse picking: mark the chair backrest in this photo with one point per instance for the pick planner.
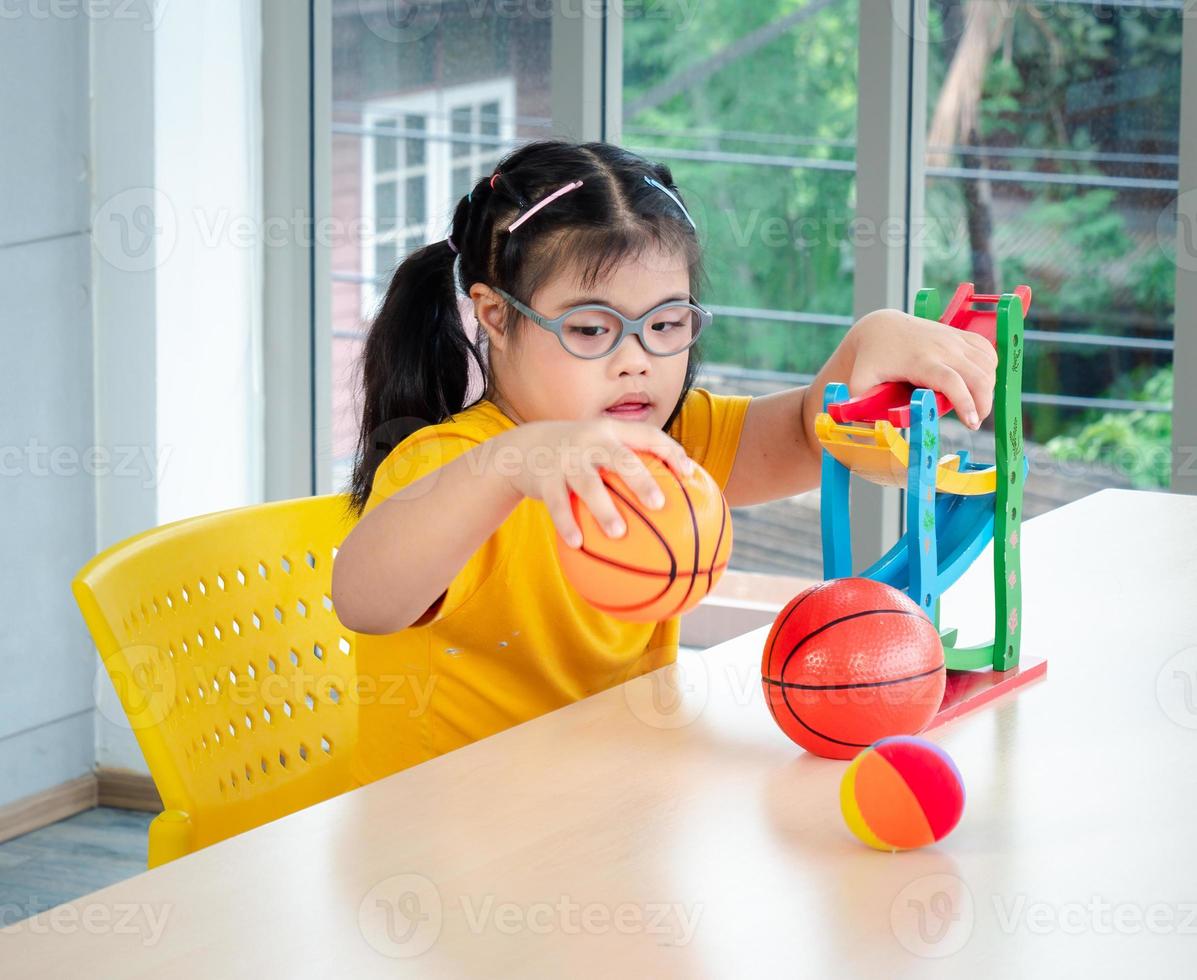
(233, 670)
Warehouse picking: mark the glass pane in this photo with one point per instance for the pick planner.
(415, 201)
(488, 120)
(753, 108)
(384, 261)
(463, 180)
(415, 143)
(461, 125)
(1052, 161)
(443, 69)
(385, 204)
(384, 146)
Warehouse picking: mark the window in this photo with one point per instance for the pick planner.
(421, 154)
(420, 108)
(1051, 159)
(753, 107)
(1051, 139)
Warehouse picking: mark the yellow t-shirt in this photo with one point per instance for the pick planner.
(511, 638)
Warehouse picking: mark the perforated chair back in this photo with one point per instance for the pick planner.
(233, 670)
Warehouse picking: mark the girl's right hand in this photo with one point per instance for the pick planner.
(554, 458)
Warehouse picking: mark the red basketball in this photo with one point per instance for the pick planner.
(851, 661)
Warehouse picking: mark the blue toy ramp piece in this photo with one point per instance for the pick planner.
(963, 525)
(967, 533)
(893, 567)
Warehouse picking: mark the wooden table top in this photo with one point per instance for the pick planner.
(666, 827)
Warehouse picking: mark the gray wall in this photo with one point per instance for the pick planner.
(47, 497)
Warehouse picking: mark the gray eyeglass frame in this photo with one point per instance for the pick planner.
(628, 325)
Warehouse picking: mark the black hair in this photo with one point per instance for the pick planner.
(415, 365)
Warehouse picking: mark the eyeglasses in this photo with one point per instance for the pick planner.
(595, 330)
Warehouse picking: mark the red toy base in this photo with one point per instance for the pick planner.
(968, 690)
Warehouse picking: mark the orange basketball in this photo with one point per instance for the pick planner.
(667, 560)
(851, 661)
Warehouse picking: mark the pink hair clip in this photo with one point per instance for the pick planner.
(540, 204)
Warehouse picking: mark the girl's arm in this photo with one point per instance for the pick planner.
(779, 456)
(401, 556)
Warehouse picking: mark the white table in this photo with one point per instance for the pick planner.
(633, 835)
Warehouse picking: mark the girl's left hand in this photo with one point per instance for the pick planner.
(889, 345)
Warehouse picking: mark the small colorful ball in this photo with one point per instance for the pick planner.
(902, 792)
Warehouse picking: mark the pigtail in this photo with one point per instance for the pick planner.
(415, 364)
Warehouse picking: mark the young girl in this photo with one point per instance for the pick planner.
(466, 625)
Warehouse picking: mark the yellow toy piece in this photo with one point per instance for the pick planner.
(881, 455)
(232, 668)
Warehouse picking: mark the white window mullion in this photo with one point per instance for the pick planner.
(1184, 354)
(891, 121)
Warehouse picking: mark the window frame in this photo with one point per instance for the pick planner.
(437, 107)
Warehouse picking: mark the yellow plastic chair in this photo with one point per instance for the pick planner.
(234, 672)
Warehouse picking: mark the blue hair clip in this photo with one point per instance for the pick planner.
(673, 197)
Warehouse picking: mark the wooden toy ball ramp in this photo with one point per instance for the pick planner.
(954, 505)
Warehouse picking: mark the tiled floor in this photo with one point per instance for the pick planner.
(68, 859)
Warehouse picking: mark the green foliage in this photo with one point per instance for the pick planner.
(774, 236)
(1137, 443)
(1063, 79)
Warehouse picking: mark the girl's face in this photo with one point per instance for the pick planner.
(538, 379)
